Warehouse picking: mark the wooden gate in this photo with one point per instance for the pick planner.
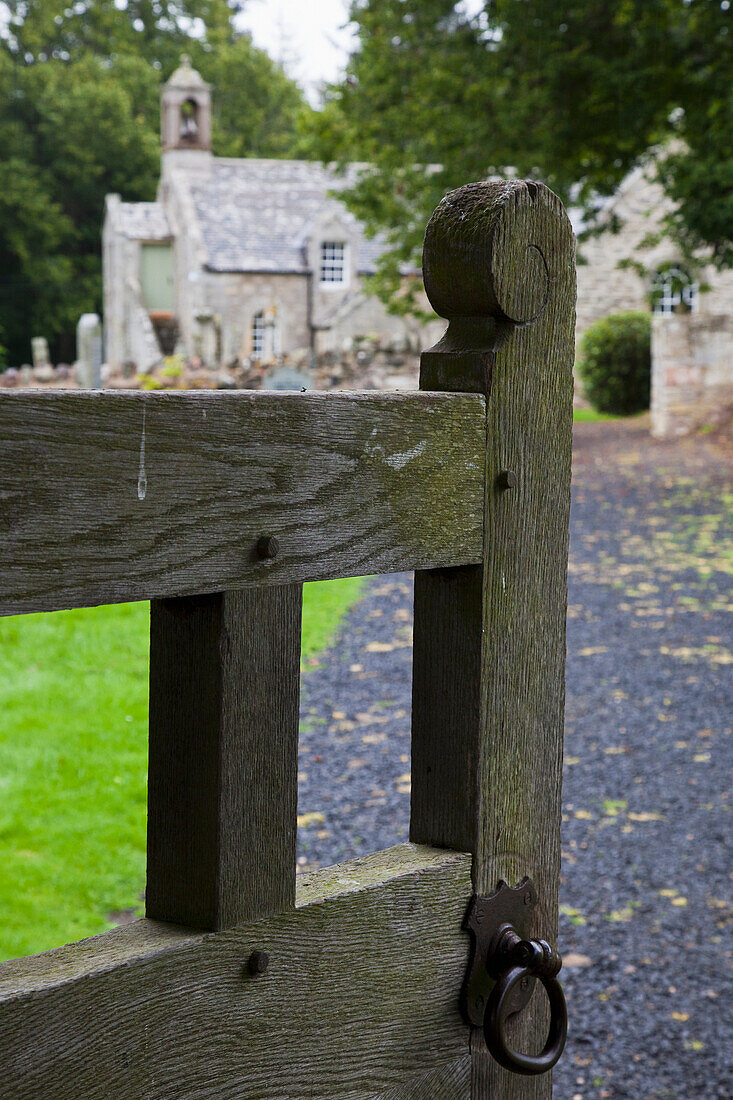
(217, 506)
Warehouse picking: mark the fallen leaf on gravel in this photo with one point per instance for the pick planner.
(406, 778)
(701, 757)
(404, 788)
(574, 915)
(374, 738)
(571, 760)
(646, 817)
(679, 901)
(357, 762)
(573, 960)
(694, 1044)
(592, 650)
(310, 819)
(616, 750)
(681, 1016)
(621, 916)
(338, 714)
(584, 815)
(379, 647)
(668, 893)
(368, 719)
(355, 668)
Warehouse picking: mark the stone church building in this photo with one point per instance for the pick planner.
(237, 257)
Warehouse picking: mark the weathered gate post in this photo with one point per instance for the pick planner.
(488, 682)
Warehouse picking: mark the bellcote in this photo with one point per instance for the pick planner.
(185, 115)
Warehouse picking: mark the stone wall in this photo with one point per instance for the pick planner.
(616, 270)
(692, 372)
(362, 362)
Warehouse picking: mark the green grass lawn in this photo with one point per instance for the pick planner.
(73, 761)
(582, 416)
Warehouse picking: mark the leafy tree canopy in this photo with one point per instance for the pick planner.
(575, 92)
(79, 115)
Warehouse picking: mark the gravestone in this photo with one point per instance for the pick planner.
(89, 351)
(39, 351)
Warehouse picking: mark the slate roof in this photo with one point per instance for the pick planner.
(256, 215)
(142, 221)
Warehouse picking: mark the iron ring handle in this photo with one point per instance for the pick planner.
(496, 1017)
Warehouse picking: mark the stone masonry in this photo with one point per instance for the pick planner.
(692, 352)
(692, 372)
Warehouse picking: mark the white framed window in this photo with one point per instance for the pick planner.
(258, 335)
(674, 291)
(333, 263)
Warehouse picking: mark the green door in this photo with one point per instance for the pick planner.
(156, 277)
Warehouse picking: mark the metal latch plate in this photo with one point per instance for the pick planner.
(484, 919)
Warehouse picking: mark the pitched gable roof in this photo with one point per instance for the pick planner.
(140, 221)
(256, 215)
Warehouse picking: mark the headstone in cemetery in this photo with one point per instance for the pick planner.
(39, 351)
(89, 351)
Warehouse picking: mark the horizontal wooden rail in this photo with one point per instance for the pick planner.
(359, 1001)
(107, 497)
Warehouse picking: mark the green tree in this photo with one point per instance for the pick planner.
(78, 130)
(155, 30)
(414, 107)
(257, 107)
(698, 174)
(575, 92)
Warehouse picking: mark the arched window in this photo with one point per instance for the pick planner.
(258, 336)
(189, 121)
(673, 291)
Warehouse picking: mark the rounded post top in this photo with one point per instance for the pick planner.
(491, 249)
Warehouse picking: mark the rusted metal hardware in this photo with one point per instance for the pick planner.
(503, 972)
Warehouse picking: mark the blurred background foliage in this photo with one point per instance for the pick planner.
(576, 92)
(573, 92)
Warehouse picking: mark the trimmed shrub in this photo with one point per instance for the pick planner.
(615, 363)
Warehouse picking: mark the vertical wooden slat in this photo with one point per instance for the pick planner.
(222, 792)
(488, 680)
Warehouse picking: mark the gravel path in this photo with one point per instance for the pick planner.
(649, 716)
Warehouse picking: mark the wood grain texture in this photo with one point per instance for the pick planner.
(488, 681)
(223, 761)
(106, 497)
(451, 1082)
(361, 992)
